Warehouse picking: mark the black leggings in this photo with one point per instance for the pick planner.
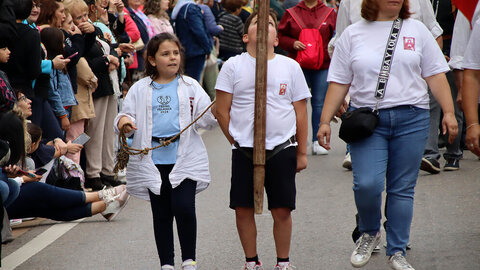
(179, 203)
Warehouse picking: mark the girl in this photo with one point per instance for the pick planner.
(156, 11)
(156, 108)
(60, 93)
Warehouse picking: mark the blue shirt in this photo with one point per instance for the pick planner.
(166, 123)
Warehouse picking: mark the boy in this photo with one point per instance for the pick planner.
(286, 127)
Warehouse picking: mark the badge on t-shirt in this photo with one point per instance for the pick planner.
(409, 43)
(283, 89)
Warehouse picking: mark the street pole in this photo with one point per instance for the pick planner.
(260, 105)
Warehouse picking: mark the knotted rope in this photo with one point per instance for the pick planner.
(126, 151)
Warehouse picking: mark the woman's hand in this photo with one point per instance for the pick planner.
(86, 27)
(11, 170)
(126, 47)
(299, 46)
(323, 135)
(472, 139)
(60, 146)
(127, 123)
(450, 125)
(73, 148)
(28, 179)
(59, 62)
(65, 123)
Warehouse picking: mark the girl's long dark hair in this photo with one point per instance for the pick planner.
(53, 40)
(152, 48)
(12, 131)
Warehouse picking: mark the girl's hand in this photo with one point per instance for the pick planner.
(323, 135)
(11, 170)
(59, 62)
(127, 124)
(73, 148)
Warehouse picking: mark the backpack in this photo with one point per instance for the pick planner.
(312, 56)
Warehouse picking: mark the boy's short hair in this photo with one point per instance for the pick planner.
(232, 5)
(271, 13)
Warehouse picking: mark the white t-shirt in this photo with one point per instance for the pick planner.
(460, 37)
(285, 84)
(472, 52)
(349, 13)
(358, 57)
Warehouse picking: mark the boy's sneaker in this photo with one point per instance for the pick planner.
(365, 245)
(253, 266)
(167, 267)
(189, 265)
(347, 162)
(430, 165)
(398, 262)
(116, 205)
(318, 150)
(452, 164)
(286, 266)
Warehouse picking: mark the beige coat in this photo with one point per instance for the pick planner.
(86, 83)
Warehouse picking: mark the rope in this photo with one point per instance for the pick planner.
(126, 151)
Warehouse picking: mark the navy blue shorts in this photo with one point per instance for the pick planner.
(280, 171)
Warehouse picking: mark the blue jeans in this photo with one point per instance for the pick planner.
(317, 81)
(393, 153)
(9, 189)
(38, 199)
(194, 66)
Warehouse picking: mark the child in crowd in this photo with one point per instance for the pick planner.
(157, 108)
(286, 138)
(60, 93)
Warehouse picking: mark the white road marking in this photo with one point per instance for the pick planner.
(37, 244)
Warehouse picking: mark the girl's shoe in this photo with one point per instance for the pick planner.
(287, 266)
(252, 266)
(189, 265)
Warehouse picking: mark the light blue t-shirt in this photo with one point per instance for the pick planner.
(166, 122)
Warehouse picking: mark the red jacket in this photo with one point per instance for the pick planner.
(289, 30)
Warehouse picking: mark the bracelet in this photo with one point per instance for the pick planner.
(324, 123)
(471, 125)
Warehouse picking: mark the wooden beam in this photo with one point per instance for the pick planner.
(260, 104)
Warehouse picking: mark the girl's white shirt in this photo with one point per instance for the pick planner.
(192, 159)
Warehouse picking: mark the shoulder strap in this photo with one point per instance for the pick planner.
(296, 18)
(387, 59)
(324, 19)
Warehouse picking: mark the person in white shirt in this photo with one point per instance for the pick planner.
(286, 119)
(394, 152)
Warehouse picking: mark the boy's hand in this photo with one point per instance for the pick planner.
(323, 136)
(301, 162)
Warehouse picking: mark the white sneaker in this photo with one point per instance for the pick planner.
(398, 262)
(167, 267)
(189, 265)
(365, 245)
(347, 162)
(252, 266)
(287, 266)
(108, 194)
(317, 149)
(116, 205)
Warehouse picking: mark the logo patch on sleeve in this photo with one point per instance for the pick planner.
(283, 89)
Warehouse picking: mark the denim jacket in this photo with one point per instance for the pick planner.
(60, 94)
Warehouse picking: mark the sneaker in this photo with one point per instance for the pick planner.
(287, 266)
(95, 184)
(398, 262)
(318, 150)
(109, 180)
(364, 249)
(347, 162)
(116, 205)
(253, 266)
(430, 165)
(108, 194)
(189, 265)
(167, 267)
(452, 164)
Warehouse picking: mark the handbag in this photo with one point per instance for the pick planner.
(361, 123)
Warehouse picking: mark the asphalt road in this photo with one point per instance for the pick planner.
(445, 233)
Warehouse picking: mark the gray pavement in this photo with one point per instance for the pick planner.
(445, 231)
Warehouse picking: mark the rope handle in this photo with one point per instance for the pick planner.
(126, 151)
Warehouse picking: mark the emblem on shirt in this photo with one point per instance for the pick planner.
(283, 89)
(409, 43)
(164, 104)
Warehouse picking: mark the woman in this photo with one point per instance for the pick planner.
(52, 14)
(192, 32)
(312, 13)
(156, 11)
(394, 151)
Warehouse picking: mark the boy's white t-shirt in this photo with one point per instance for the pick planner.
(285, 84)
(472, 52)
(358, 57)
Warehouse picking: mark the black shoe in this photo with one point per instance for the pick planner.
(452, 164)
(430, 165)
(109, 180)
(94, 183)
